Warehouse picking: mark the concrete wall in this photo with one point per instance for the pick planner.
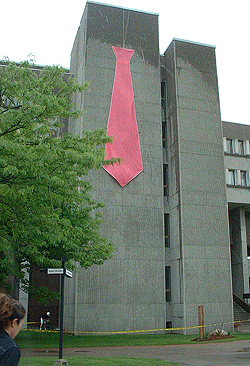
(236, 130)
(200, 259)
(127, 292)
(24, 300)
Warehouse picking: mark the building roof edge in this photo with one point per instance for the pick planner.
(121, 7)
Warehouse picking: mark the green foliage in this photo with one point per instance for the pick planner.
(46, 207)
(43, 294)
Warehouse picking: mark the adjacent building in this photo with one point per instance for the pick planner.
(237, 164)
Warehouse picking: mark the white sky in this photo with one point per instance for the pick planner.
(47, 29)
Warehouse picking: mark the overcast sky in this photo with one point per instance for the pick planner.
(47, 30)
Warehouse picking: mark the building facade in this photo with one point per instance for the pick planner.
(180, 227)
(123, 294)
(170, 223)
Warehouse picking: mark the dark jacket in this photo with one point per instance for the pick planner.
(9, 350)
(45, 316)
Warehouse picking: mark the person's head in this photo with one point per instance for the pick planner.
(12, 315)
(48, 313)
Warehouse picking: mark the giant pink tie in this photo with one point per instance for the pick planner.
(122, 123)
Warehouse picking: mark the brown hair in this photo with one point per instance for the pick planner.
(10, 309)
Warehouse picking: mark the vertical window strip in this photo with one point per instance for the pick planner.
(243, 178)
(166, 230)
(240, 147)
(164, 135)
(246, 147)
(165, 180)
(168, 283)
(229, 146)
(230, 177)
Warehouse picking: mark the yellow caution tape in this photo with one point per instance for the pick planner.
(134, 331)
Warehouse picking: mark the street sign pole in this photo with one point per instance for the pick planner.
(61, 310)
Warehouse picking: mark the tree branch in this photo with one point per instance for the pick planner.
(12, 129)
(9, 108)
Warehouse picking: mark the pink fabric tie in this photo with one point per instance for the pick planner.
(122, 123)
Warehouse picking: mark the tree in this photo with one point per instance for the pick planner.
(46, 207)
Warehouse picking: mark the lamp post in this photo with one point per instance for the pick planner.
(61, 309)
(63, 272)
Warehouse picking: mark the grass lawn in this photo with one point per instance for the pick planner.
(95, 361)
(46, 339)
(43, 339)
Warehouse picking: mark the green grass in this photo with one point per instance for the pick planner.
(30, 339)
(37, 339)
(94, 361)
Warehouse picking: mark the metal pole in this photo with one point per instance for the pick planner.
(61, 310)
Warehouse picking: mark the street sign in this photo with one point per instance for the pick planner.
(68, 273)
(59, 271)
(55, 271)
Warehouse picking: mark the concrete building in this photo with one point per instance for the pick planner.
(127, 292)
(196, 201)
(169, 224)
(181, 227)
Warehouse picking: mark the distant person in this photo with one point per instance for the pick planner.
(12, 315)
(44, 320)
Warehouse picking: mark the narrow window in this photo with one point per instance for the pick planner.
(229, 143)
(231, 177)
(163, 102)
(241, 147)
(165, 180)
(164, 135)
(166, 230)
(163, 90)
(243, 178)
(168, 283)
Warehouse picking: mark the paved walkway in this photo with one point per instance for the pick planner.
(203, 354)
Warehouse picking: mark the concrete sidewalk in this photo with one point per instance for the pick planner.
(203, 354)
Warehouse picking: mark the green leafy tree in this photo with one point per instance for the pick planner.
(46, 207)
